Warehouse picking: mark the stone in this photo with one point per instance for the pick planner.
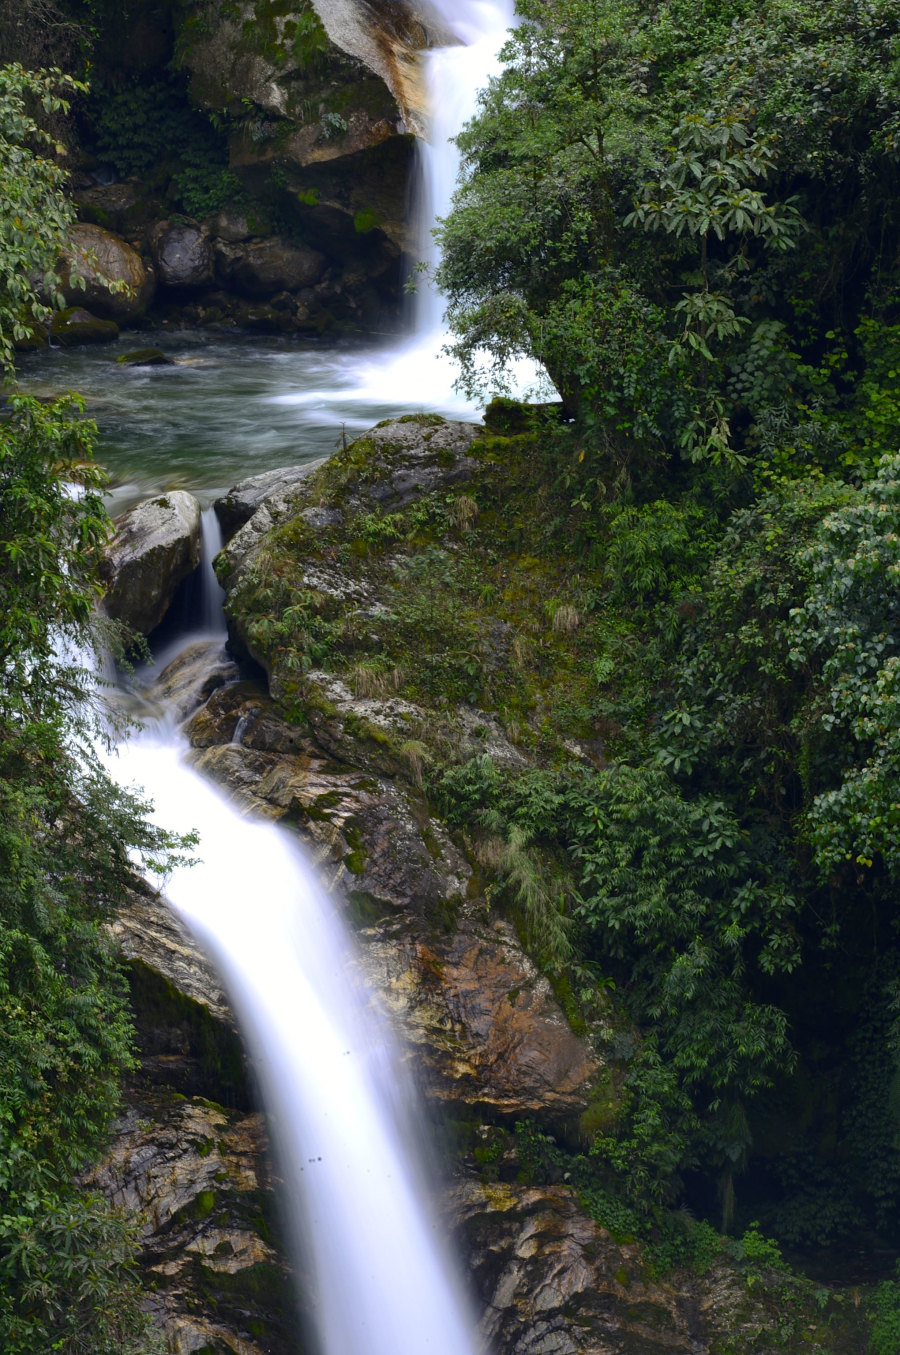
(183, 255)
(145, 357)
(237, 507)
(75, 325)
(155, 547)
(99, 258)
(263, 268)
(197, 1177)
(233, 225)
(148, 930)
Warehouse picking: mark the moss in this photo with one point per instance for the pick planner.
(355, 862)
(205, 1203)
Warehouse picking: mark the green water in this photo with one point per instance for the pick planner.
(229, 407)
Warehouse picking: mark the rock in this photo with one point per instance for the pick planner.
(551, 1282)
(145, 357)
(100, 258)
(233, 225)
(196, 1175)
(156, 545)
(75, 325)
(183, 255)
(122, 207)
(148, 930)
(329, 128)
(237, 507)
(488, 1034)
(266, 267)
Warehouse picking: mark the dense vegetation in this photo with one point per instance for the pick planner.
(688, 213)
(66, 1271)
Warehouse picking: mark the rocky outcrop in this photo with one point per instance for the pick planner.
(323, 123)
(105, 273)
(183, 255)
(238, 506)
(196, 1176)
(155, 547)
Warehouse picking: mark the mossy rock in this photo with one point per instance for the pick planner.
(145, 357)
(75, 326)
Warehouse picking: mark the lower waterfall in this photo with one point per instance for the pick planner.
(343, 1119)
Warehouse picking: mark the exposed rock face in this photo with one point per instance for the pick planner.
(75, 325)
(195, 1175)
(156, 545)
(268, 266)
(388, 38)
(183, 255)
(99, 258)
(324, 123)
(241, 502)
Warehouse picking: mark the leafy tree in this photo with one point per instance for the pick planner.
(66, 830)
(636, 189)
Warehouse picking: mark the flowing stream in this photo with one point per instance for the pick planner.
(345, 1123)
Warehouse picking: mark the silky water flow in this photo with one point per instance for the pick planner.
(376, 1276)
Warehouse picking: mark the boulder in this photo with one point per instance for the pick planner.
(75, 325)
(237, 507)
(145, 357)
(183, 255)
(156, 545)
(104, 262)
(266, 267)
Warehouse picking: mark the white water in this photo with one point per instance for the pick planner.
(418, 371)
(338, 1101)
(344, 1121)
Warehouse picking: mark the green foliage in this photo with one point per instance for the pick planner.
(34, 213)
(66, 831)
(756, 148)
(885, 1317)
(145, 127)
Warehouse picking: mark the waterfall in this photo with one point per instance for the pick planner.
(345, 1123)
(454, 75)
(416, 372)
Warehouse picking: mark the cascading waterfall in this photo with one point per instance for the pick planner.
(344, 1121)
(418, 370)
(343, 1117)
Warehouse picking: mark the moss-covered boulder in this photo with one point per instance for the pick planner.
(105, 273)
(76, 325)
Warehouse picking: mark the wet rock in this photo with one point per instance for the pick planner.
(156, 545)
(183, 255)
(145, 357)
(196, 1176)
(148, 930)
(103, 261)
(487, 1031)
(237, 507)
(552, 1282)
(75, 325)
(265, 267)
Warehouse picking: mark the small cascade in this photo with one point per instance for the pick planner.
(212, 594)
(417, 371)
(345, 1121)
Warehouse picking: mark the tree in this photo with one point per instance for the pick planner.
(634, 192)
(66, 830)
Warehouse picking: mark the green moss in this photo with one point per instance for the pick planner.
(355, 862)
(205, 1203)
